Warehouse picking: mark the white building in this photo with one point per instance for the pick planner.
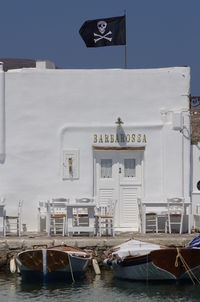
(59, 137)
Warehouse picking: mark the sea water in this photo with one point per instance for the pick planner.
(95, 289)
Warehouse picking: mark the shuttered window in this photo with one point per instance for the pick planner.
(106, 168)
(129, 167)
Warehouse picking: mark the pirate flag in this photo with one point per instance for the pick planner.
(104, 32)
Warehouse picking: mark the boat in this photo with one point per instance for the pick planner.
(135, 260)
(59, 262)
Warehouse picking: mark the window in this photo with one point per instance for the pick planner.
(106, 168)
(129, 167)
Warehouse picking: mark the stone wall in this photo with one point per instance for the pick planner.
(97, 247)
(195, 127)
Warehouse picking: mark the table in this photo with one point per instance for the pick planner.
(80, 228)
(154, 204)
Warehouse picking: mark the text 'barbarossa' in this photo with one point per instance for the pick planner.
(119, 138)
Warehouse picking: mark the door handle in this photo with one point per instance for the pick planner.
(120, 170)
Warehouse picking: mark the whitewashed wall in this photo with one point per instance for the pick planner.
(48, 111)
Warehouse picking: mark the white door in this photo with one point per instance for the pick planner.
(106, 176)
(119, 177)
(130, 180)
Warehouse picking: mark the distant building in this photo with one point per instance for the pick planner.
(112, 134)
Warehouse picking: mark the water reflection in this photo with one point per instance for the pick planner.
(94, 288)
(156, 291)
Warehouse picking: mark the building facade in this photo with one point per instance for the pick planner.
(109, 134)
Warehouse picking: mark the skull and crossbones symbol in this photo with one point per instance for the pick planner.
(101, 25)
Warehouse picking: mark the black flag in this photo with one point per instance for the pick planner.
(104, 32)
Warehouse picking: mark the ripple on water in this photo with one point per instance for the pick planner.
(95, 289)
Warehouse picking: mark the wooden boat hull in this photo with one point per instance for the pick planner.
(164, 264)
(51, 264)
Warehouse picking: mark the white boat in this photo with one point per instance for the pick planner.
(135, 260)
(61, 262)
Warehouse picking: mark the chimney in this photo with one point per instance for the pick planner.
(45, 65)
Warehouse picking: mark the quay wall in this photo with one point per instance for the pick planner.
(98, 247)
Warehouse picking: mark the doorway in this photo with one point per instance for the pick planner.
(118, 177)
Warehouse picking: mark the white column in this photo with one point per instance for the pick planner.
(2, 115)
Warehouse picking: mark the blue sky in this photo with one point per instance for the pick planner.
(160, 33)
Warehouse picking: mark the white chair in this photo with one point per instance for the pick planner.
(104, 219)
(2, 217)
(42, 216)
(57, 213)
(175, 214)
(13, 223)
(80, 215)
(151, 221)
(148, 220)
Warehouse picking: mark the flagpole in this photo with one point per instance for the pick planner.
(125, 57)
(125, 46)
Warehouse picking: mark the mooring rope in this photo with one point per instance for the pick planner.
(147, 269)
(186, 266)
(70, 266)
